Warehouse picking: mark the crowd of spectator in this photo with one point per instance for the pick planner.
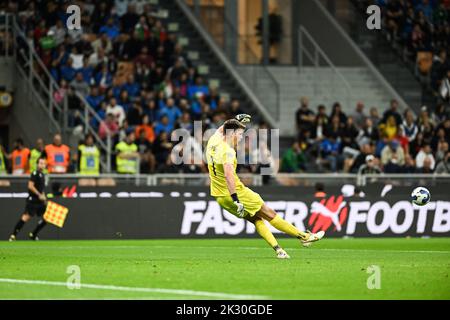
(142, 85)
(421, 29)
(131, 70)
(394, 142)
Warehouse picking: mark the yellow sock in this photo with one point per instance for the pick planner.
(286, 227)
(265, 233)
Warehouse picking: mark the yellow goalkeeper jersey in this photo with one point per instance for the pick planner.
(218, 152)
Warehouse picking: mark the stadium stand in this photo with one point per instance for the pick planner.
(142, 85)
(125, 63)
(419, 32)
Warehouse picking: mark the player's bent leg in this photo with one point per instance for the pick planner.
(279, 223)
(41, 224)
(265, 233)
(19, 225)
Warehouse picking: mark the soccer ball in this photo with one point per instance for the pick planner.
(420, 196)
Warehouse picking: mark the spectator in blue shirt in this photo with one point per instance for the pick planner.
(171, 111)
(427, 9)
(67, 72)
(87, 71)
(101, 112)
(124, 100)
(111, 30)
(94, 99)
(131, 86)
(199, 89)
(104, 78)
(330, 150)
(163, 126)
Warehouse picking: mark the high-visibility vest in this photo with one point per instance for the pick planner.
(89, 160)
(2, 163)
(34, 156)
(126, 165)
(57, 158)
(20, 161)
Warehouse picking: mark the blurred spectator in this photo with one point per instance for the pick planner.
(110, 29)
(336, 111)
(293, 159)
(389, 128)
(127, 155)
(3, 166)
(108, 125)
(162, 148)
(20, 158)
(36, 153)
(163, 126)
(171, 111)
(425, 159)
(58, 156)
(148, 162)
(330, 151)
(442, 150)
(349, 134)
(117, 111)
(393, 157)
(88, 157)
(94, 98)
(410, 164)
(392, 112)
(369, 167)
(79, 84)
(359, 116)
(321, 123)
(368, 133)
(147, 128)
(409, 127)
(304, 116)
(374, 116)
(444, 165)
(359, 160)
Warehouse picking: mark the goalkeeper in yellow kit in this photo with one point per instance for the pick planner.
(236, 198)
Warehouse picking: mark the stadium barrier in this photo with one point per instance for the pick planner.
(131, 211)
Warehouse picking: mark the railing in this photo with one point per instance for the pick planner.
(42, 88)
(315, 58)
(363, 58)
(281, 179)
(256, 74)
(248, 86)
(106, 146)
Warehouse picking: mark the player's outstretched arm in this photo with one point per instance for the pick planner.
(242, 118)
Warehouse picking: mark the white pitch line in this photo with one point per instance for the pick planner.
(223, 247)
(136, 289)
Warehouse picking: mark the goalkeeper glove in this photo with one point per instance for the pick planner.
(243, 118)
(240, 206)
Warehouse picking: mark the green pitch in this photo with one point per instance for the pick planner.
(225, 269)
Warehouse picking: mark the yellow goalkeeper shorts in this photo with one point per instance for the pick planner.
(251, 200)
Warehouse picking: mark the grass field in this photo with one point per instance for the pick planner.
(225, 269)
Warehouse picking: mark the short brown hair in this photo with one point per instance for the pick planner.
(232, 124)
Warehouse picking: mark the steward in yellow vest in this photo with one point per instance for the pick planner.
(127, 155)
(2, 162)
(89, 157)
(36, 153)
